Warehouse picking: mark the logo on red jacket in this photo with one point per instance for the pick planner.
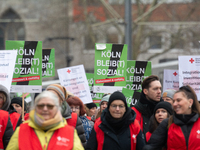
(134, 138)
(0, 127)
(198, 134)
(62, 141)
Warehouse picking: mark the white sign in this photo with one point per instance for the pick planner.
(170, 79)
(7, 64)
(75, 81)
(189, 72)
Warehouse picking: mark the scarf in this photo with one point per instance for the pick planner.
(86, 125)
(118, 124)
(45, 125)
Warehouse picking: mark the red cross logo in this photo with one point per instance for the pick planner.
(68, 71)
(175, 74)
(191, 60)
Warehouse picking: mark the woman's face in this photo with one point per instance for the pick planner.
(160, 114)
(182, 104)
(103, 106)
(18, 108)
(75, 109)
(117, 109)
(46, 108)
(92, 111)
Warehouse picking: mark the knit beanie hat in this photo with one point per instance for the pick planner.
(169, 93)
(18, 100)
(166, 105)
(117, 96)
(91, 105)
(104, 99)
(59, 89)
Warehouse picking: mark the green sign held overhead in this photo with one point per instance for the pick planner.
(48, 63)
(110, 67)
(27, 76)
(96, 97)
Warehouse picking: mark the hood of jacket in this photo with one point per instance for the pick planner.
(66, 110)
(6, 104)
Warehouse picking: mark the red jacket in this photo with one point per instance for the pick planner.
(138, 117)
(148, 136)
(176, 139)
(3, 124)
(14, 118)
(73, 120)
(28, 140)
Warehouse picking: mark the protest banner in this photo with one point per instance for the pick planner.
(131, 96)
(136, 72)
(110, 67)
(7, 64)
(189, 72)
(48, 63)
(96, 97)
(170, 79)
(75, 81)
(27, 76)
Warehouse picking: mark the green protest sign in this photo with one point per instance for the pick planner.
(96, 97)
(48, 63)
(110, 67)
(27, 76)
(136, 72)
(131, 96)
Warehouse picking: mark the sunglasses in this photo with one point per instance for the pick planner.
(49, 106)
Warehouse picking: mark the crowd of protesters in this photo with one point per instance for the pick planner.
(59, 120)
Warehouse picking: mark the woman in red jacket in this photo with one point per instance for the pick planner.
(162, 111)
(182, 130)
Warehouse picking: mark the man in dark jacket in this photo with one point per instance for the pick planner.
(150, 96)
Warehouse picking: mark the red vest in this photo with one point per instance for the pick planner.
(72, 121)
(134, 131)
(89, 118)
(3, 124)
(148, 136)
(176, 139)
(14, 117)
(138, 117)
(28, 139)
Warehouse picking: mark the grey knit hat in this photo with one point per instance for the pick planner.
(169, 93)
(105, 99)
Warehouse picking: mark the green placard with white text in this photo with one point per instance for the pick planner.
(48, 63)
(110, 67)
(96, 97)
(27, 76)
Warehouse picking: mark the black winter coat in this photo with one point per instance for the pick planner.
(112, 141)
(159, 137)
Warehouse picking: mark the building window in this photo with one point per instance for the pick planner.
(177, 41)
(155, 42)
(10, 30)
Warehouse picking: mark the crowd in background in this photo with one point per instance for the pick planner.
(60, 120)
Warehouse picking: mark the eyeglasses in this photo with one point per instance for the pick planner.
(115, 106)
(76, 108)
(49, 106)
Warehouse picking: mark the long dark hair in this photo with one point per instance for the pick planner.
(189, 93)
